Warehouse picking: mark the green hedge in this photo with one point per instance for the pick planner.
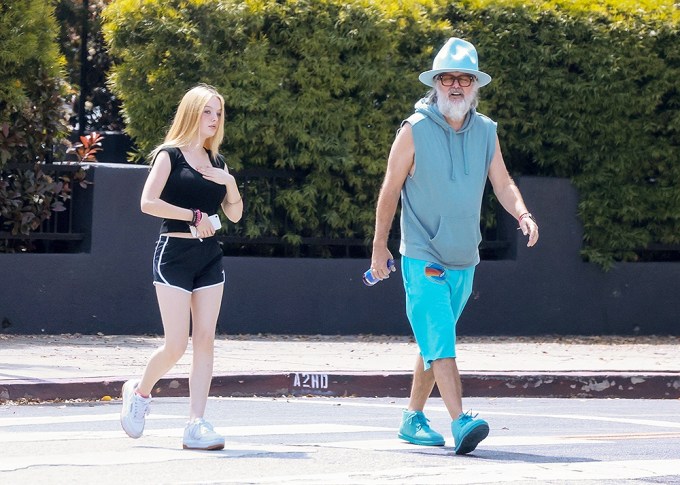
(581, 90)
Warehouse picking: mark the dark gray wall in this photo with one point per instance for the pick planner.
(542, 290)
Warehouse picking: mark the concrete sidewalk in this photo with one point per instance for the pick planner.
(62, 367)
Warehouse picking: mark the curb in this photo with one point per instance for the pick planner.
(624, 385)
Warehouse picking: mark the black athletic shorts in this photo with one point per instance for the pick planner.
(187, 264)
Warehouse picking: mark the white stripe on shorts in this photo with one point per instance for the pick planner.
(160, 257)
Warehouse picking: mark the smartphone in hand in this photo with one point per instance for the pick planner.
(214, 220)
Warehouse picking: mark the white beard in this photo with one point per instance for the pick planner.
(455, 110)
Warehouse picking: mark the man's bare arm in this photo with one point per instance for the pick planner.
(399, 164)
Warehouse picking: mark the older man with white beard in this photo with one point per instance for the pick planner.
(438, 164)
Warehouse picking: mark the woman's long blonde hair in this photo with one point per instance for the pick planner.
(186, 124)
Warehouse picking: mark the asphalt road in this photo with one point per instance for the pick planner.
(345, 441)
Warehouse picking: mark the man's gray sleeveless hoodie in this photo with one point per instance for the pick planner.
(441, 202)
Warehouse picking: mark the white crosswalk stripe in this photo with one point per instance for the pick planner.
(140, 455)
(152, 430)
(493, 473)
(79, 418)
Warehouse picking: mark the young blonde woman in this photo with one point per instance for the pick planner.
(187, 183)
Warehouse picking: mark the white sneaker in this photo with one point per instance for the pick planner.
(200, 435)
(135, 409)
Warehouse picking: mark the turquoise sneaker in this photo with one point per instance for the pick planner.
(414, 429)
(468, 432)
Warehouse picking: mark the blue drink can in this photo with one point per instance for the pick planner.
(370, 280)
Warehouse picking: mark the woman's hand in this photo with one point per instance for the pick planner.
(205, 227)
(216, 175)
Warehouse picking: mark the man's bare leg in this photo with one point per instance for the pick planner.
(448, 382)
(414, 425)
(467, 431)
(422, 385)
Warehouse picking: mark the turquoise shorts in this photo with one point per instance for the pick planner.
(435, 298)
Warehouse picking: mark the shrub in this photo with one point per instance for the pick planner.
(31, 115)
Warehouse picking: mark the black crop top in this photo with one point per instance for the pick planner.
(187, 188)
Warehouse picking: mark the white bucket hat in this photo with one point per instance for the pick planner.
(457, 55)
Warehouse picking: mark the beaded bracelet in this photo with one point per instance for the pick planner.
(196, 219)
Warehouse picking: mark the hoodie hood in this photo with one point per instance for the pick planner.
(433, 113)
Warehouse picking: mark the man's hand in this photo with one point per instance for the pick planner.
(379, 260)
(528, 226)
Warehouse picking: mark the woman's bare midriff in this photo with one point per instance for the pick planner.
(182, 235)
